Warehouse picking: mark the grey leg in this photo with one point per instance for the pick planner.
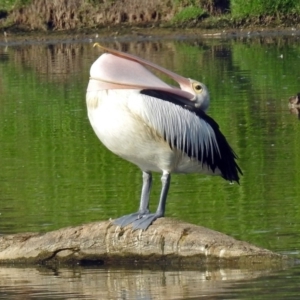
(146, 220)
(144, 203)
(145, 196)
(165, 180)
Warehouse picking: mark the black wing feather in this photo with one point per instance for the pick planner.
(223, 157)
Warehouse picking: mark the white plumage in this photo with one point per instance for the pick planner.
(157, 127)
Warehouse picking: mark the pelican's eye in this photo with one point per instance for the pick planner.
(197, 87)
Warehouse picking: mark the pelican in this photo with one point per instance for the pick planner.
(156, 126)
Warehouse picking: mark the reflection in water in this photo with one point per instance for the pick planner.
(54, 172)
(51, 63)
(82, 283)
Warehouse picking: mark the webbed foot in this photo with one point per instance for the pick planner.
(138, 220)
(127, 219)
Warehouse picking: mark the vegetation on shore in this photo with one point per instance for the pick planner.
(87, 14)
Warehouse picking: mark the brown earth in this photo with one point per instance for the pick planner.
(77, 14)
(123, 16)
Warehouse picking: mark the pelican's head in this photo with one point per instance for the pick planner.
(136, 76)
(201, 94)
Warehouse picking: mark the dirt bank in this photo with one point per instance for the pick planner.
(79, 14)
(132, 17)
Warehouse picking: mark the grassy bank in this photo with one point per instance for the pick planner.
(60, 15)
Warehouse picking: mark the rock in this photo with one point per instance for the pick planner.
(166, 242)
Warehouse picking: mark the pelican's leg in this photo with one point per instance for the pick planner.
(145, 221)
(144, 203)
(145, 196)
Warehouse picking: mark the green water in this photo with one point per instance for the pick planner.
(54, 172)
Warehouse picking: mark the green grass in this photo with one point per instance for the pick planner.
(9, 4)
(252, 8)
(188, 14)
